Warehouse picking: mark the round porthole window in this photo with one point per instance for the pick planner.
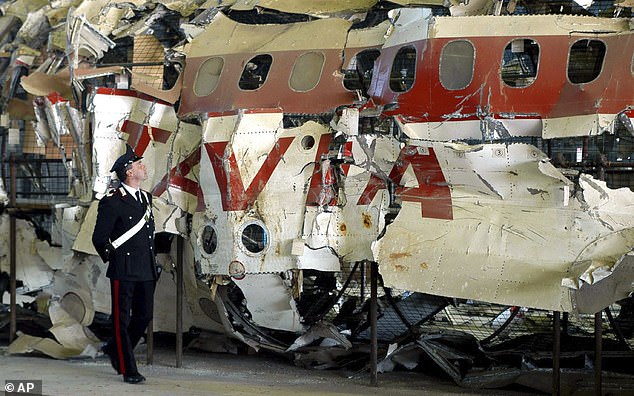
(308, 142)
(209, 239)
(254, 238)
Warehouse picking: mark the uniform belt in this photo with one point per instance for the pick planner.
(132, 231)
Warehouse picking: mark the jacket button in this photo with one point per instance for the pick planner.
(130, 217)
(127, 254)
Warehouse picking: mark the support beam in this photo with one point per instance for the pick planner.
(179, 301)
(362, 275)
(12, 251)
(373, 319)
(556, 353)
(598, 352)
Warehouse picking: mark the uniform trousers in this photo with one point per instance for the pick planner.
(132, 308)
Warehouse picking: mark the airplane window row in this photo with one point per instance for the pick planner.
(304, 77)
(520, 63)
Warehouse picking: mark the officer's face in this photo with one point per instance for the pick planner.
(137, 171)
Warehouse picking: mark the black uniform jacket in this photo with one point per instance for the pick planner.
(134, 260)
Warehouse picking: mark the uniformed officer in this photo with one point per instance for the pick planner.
(124, 237)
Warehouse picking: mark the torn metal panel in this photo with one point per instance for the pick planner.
(343, 227)
(26, 344)
(184, 7)
(477, 7)
(21, 110)
(52, 256)
(22, 8)
(67, 226)
(86, 40)
(9, 26)
(150, 126)
(60, 127)
(60, 118)
(153, 22)
(170, 95)
(68, 329)
(73, 339)
(420, 2)
(511, 256)
(42, 84)
(373, 36)
(81, 287)
(83, 242)
(320, 330)
(216, 61)
(86, 73)
(31, 269)
(270, 302)
(318, 7)
(407, 25)
(34, 30)
(106, 15)
(224, 37)
(58, 11)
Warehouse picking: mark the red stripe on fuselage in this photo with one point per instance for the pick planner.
(432, 192)
(551, 95)
(232, 192)
(140, 135)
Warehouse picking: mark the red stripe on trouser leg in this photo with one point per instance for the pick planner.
(117, 327)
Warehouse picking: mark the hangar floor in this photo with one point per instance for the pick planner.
(206, 373)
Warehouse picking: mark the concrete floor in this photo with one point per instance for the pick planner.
(218, 374)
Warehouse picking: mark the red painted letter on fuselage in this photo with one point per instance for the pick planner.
(432, 192)
(232, 192)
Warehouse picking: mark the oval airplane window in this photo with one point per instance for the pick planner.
(457, 59)
(403, 71)
(585, 61)
(255, 72)
(209, 239)
(306, 71)
(254, 238)
(208, 76)
(308, 142)
(519, 63)
(358, 74)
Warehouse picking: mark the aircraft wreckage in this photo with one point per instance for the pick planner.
(286, 143)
